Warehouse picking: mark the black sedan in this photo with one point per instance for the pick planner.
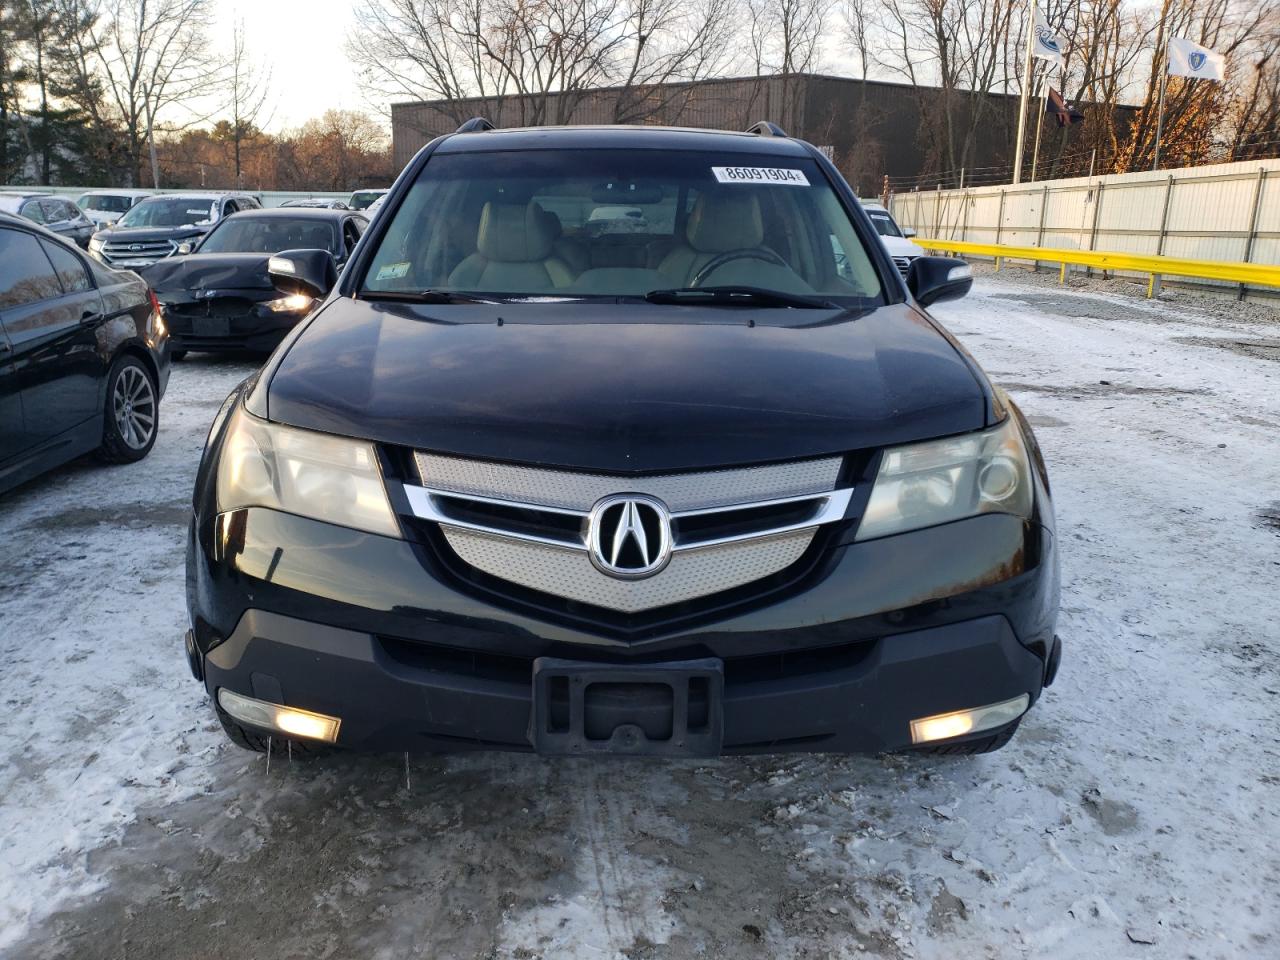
(56, 214)
(83, 356)
(219, 297)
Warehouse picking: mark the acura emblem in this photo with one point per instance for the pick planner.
(629, 536)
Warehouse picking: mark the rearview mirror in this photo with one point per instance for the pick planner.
(908, 232)
(310, 272)
(935, 279)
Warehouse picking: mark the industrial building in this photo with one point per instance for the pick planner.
(868, 127)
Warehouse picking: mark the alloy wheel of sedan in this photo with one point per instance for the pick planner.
(134, 405)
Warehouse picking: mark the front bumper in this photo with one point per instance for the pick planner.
(339, 622)
(258, 331)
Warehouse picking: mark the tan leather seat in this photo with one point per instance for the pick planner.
(514, 252)
(718, 223)
(570, 251)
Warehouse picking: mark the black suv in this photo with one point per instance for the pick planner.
(621, 440)
(84, 356)
(163, 225)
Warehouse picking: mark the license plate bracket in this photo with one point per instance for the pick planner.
(673, 709)
(211, 326)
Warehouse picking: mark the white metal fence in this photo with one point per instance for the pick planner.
(1226, 212)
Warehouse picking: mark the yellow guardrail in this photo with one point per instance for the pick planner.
(1256, 274)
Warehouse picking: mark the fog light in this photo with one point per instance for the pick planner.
(273, 716)
(944, 726)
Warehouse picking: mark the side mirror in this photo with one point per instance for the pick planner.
(908, 232)
(185, 247)
(934, 279)
(309, 272)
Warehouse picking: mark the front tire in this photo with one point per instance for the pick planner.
(132, 416)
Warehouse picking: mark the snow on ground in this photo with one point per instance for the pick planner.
(1134, 815)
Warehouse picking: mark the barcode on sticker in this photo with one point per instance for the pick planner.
(794, 178)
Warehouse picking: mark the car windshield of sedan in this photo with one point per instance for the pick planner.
(615, 223)
(270, 235)
(171, 212)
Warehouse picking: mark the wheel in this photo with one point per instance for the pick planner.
(988, 744)
(249, 739)
(132, 415)
(729, 256)
(177, 355)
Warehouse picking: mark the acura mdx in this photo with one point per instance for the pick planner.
(621, 441)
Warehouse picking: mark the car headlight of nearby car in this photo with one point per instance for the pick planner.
(293, 303)
(315, 475)
(925, 484)
(95, 244)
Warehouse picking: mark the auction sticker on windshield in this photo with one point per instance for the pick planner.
(793, 178)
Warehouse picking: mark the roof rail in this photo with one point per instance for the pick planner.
(475, 125)
(766, 128)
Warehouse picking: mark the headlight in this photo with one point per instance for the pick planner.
(926, 484)
(95, 244)
(297, 471)
(294, 303)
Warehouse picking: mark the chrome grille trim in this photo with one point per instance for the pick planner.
(551, 554)
(431, 505)
(571, 490)
(903, 264)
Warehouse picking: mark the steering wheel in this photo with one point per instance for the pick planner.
(729, 256)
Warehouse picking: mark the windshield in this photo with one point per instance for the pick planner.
(621, 223)
(361, 199)
(270, 235)
(884, 223)
(105, 202)
(171, 212)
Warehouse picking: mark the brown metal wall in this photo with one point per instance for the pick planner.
(872, 128)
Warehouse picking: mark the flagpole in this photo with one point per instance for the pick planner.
(1026, 89)
(1044, 102)
(1164, 79)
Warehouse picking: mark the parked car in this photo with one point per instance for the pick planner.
(363, 199)
(105, 207)
(83, 356)
(316, 202)
(895, 239)
(219, 296)
(154, 228)
(56, 214)
(705, 494)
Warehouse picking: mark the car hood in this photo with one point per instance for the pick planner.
(625, 388)
(141, 234)
(209, 271)
(902, 247)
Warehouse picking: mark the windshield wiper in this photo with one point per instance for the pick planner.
(738, 296)
(425, 296)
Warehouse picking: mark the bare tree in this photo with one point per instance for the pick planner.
(547, 54)
(248, 91)
(151, 56)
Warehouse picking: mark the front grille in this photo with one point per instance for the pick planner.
(529, 527)
(903, 264)
(138, 250)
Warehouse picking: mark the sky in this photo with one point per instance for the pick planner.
(302, 43)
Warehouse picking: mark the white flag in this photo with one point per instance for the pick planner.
(1187, 59)
(1046, 44)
